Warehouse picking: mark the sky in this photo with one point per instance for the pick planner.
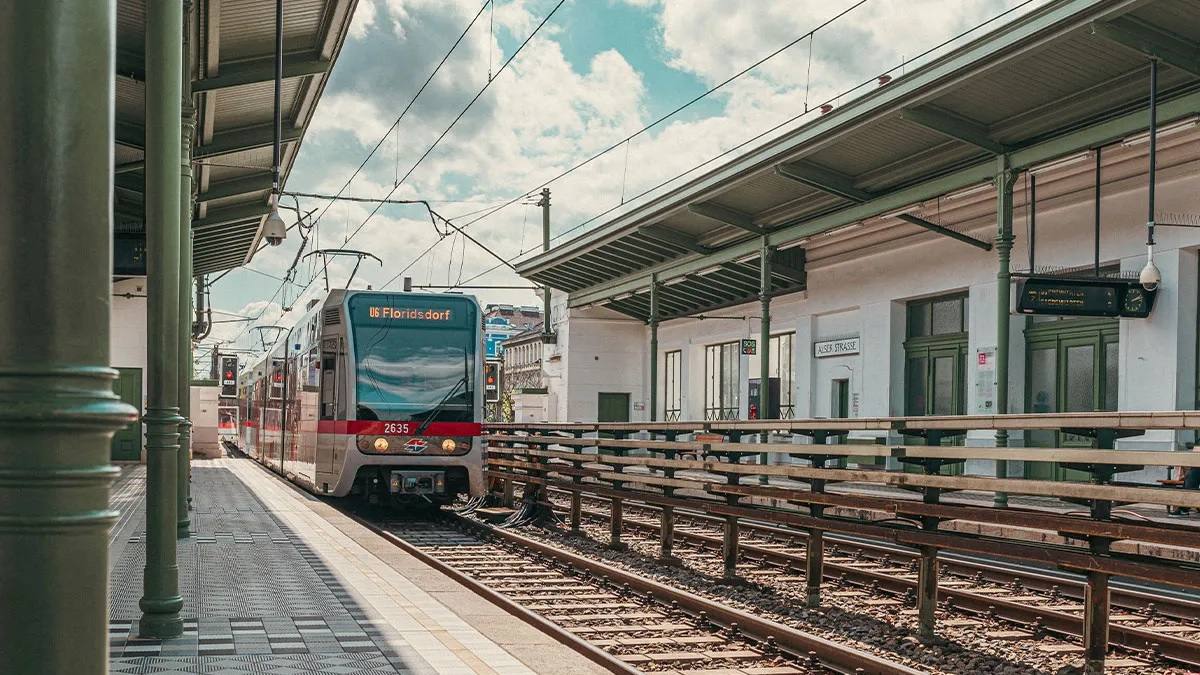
(597, 72)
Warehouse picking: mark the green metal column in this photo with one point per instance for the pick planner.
(764, 330)
(57, 407)
(160, 601)
(764, 339)
(187, 128)
(1005, 177)
(654, 291)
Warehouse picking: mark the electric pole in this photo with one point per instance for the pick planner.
(544, 202)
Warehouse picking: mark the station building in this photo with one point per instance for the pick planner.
(887, 242)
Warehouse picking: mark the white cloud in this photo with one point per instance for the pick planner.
(544, 114)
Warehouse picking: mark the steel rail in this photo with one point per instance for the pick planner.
(785, 637)
(1179, 649)
(566, 638)
(563, 636)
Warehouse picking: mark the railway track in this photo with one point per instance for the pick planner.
(1035, 603)
(624, 621)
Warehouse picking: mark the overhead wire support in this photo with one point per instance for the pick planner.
(434, 217)
(459, 116)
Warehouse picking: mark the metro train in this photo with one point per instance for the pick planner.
(372, 394)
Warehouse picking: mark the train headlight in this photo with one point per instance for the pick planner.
(381, 444)
(449, 445)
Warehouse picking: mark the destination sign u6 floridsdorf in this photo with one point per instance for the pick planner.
(1084, 297)
(413, 313)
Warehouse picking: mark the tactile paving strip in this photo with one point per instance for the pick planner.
(257, 599)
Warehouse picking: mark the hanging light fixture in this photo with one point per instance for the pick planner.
(274, 230)
(1150, 277)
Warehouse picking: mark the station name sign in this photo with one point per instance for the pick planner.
(1084, 297)
(411, 313)
(841, 347)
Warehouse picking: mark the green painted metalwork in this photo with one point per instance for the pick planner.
(161, 601)
(655, 292)
(766, 253)
(187, 128)
(1005, 177)
(725, 215)
(1101, 133)
(953, 126)
(262, 70)
(58, 411)
(1167, 47)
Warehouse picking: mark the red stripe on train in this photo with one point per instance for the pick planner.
(399, 428)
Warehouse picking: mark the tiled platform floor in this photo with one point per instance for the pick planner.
(275, 582)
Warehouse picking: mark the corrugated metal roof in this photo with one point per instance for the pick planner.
(1064, 77)
(235, 40)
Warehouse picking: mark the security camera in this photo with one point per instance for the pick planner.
(274, 229)
(1150, 277)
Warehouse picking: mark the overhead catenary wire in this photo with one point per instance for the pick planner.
(570, 170)
(628, 139)
(503, 66)
(733, 149)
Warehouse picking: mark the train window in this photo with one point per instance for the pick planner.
(328, 386)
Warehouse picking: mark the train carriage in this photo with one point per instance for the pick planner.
(373, 394)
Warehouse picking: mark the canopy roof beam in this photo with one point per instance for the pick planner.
(233, 214)
(954, 126)
(262, 70)
(675, 238)
(726, 215)
(945, 231)
(790, 266)
(237, 186)
(250, 138)
(822, 179)
(1155, 43)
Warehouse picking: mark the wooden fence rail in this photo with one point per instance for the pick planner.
(703, 465)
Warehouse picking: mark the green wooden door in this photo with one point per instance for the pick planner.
(612, 407)
(935, 384)
(127, 443)
(1071, 366)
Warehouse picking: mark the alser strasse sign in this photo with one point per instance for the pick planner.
(841, 347)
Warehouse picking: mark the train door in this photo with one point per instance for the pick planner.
(331, 393)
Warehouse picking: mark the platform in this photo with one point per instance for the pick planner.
(275, 581)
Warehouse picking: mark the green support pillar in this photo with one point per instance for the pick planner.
(764, 340)
(57, 408)
(654, 291)
(1005, 177)
(160, 601)
(187, 128)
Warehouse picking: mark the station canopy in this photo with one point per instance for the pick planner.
(232, 57)
(1069, 76)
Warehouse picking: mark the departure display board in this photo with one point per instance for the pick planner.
(1084, 297)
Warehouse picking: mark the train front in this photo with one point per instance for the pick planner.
(417, 407)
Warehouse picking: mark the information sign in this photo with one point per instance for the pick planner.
(842, 347)
(1084, 297)
(749, 346)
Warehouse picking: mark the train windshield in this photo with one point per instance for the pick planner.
(414, 355)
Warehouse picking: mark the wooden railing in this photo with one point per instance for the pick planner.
(705, 465)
